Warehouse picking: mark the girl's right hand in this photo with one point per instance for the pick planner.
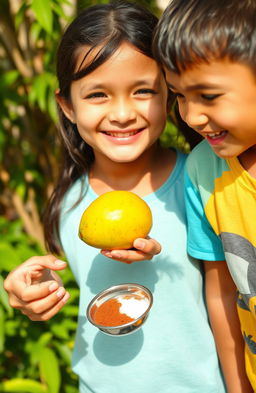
(35, 288)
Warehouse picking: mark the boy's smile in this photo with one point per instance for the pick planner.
(218, 100)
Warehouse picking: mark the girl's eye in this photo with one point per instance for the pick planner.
(145, 92)
(96, 95)
(209, 97)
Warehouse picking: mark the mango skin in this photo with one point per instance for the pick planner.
(114, 220)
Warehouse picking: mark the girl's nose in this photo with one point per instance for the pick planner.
(194, 115)
(122, 112)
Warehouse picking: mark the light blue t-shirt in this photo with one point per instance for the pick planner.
(174, 351)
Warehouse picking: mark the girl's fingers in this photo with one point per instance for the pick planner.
(50, 312)
(41, 306)
(28, 293)
(148, 246)
(44, 262)
(127, 256)
(144, 249)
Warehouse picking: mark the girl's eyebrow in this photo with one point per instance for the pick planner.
(141, 82)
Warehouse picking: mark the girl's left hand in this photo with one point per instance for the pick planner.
(144, 249)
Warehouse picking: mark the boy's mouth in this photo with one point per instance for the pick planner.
(216, 135)
(214, 138)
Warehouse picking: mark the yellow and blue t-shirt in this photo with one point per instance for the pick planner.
(221, 208)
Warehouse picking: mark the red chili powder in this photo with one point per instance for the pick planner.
(107, 314)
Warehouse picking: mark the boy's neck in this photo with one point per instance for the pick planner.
(248, 160)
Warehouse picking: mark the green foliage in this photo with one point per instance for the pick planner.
(34, 356)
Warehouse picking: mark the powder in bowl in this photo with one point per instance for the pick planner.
(119, 310)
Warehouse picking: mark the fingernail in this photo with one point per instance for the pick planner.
(58, 262)
(66, 297)
(60, 292)
(53, 286)
(139, 244)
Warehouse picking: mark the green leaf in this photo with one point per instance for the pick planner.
(65, 352)
(2, 335)
(20, 15)
(43, 13)
(49, 370)
(4, 298)
(60, 331)
(22, 386)
(8, 78)
(52, 108)
(8, 257)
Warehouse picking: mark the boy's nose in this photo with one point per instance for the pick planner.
(193, 115)
(122, 112)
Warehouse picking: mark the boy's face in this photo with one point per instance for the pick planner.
(218, 100)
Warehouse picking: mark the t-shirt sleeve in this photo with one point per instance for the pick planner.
(203, 243)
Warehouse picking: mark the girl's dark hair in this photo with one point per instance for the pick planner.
(104, 26)
(195, 31)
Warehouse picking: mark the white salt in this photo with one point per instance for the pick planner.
(134, 307)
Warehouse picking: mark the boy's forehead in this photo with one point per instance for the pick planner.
(213, 74)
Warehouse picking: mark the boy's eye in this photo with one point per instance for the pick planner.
(98, 94)
(209, 97)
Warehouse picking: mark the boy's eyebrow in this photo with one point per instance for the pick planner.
(197, 86)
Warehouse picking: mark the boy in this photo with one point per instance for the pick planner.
(208, 49)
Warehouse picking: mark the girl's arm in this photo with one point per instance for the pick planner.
(221, 295)
(144, 249)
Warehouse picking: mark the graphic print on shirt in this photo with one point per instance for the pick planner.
(240, 257)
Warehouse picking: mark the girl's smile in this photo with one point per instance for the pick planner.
(124, 136)
(120, 108)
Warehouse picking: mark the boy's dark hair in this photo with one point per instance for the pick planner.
(103, 26)
(195, 31)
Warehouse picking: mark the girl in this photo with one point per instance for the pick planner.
(113, 103)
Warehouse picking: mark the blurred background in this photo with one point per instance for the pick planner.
(35, 357)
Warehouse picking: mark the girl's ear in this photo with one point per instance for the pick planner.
(66, 106)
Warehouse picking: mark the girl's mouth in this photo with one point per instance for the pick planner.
(122, 134)
(216, 137)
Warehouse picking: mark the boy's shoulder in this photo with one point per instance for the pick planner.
(201, 151)
(203, 164)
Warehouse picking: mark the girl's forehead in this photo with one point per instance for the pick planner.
(85, 54)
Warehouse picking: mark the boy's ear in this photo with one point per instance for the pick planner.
(66, 106)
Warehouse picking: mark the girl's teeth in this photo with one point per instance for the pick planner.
(121, 134)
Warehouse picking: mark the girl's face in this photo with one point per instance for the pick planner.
(120, 108)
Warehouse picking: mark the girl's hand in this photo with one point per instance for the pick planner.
(35, 288)
(144, 249)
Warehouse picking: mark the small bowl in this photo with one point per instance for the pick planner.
(135, 299)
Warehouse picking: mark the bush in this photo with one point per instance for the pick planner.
(34, 356)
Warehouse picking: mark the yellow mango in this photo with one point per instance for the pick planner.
(114, 220)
